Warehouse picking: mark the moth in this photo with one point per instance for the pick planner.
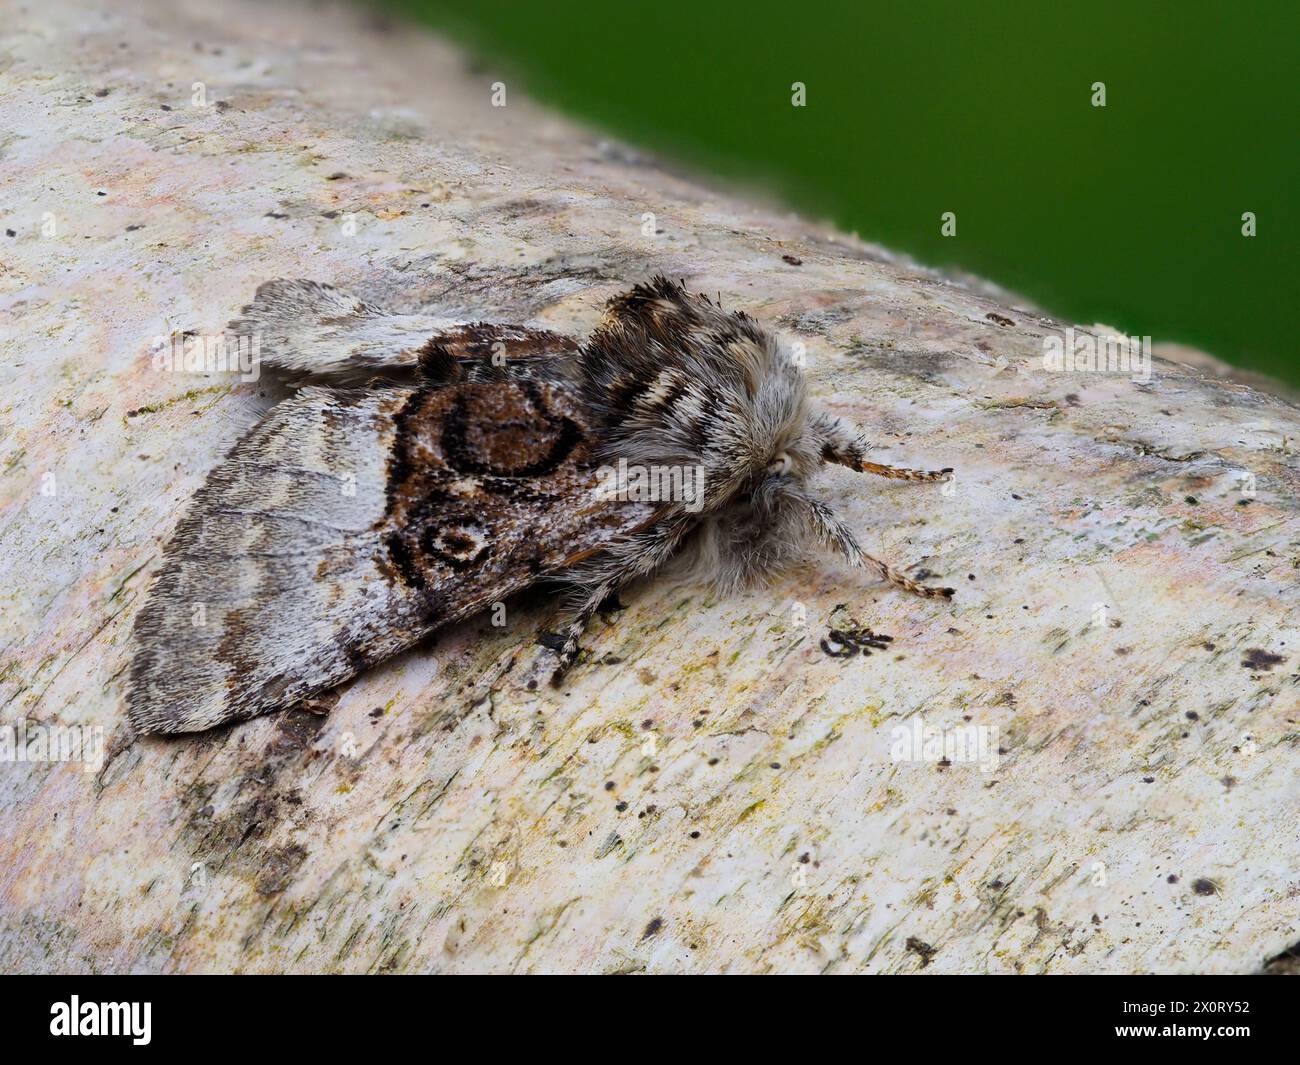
(426, 468)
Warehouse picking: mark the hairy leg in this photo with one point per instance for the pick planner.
(637, 556)
(831, 528)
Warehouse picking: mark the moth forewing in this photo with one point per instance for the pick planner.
(350, 524)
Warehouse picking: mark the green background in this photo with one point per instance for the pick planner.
(1128, 214)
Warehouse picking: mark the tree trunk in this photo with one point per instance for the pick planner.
(722, 785)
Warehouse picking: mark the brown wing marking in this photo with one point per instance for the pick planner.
(494, 481)
(490, 351)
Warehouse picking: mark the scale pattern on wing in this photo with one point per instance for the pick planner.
(348, 525)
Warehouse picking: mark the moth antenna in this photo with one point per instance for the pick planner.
(846, 444)
(900, 473)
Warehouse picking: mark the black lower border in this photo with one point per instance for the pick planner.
(217, 1014)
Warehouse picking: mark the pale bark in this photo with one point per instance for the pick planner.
(440, 816)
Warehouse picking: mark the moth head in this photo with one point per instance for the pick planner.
(764, 442)
(780, 465)
(788, 464)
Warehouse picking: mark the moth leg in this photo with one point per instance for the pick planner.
(831, 528)
(846, 444)
(637, 556)
(565, 642)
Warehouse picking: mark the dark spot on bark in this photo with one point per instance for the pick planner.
(1204, 886)
(850, 641)
(279, 868)
(1259, 660)
(295, 729)
(921, 949)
